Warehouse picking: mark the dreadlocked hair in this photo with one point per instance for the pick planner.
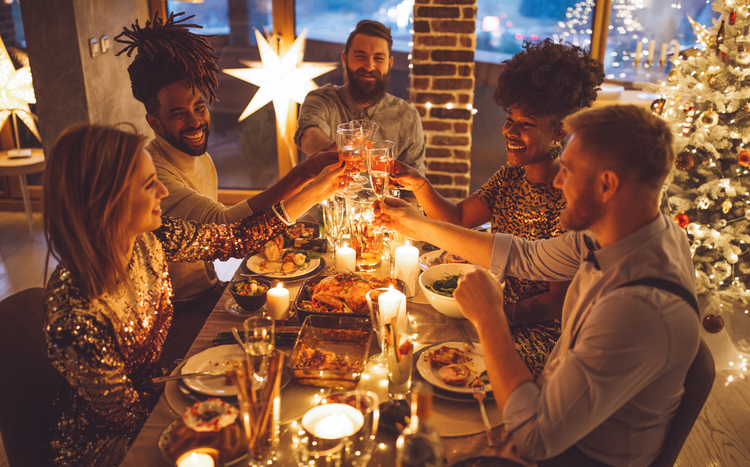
(549, 78)
(166, 53)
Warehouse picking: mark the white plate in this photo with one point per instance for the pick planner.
(425, 260)
(274, 268)
(431, 374)
(164, 439)
(212, 359)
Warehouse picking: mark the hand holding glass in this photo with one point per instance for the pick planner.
(350, 139)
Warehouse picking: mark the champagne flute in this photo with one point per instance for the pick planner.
(334, 221)
(369, 130)
(259, 345)
(380, 166)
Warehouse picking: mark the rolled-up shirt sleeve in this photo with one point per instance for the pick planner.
(313, 112)
(554, 259)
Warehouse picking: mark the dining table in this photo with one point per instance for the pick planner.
(457, 420)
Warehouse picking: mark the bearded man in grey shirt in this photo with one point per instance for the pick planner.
(614, 380)
(367, 62)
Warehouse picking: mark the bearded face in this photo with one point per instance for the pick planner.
(367, 67)
(367, 87)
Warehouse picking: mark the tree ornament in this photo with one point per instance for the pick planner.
(674, 75)
(747, 214)
(682, 219)
(657, 107)
(721, 223)
(722, 269)
(684, 160)
(745, 107)
(743, 158)
(743, 57)
(726, 206)
(689, 109)
(713, 323)
(720, 40)
(732, 17)
(711, 80)
(701, 33)
(709, 118)
(702, 202)
(732, 258)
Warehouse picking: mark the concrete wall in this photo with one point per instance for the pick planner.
(70, 85)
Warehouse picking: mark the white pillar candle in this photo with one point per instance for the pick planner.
(676, 55)
(407, 268)
(195, 459)
(663, 56)
(389, 304)
(651, 47)
(638, 50)
(278, 302)
(333, 421)
(346, 260)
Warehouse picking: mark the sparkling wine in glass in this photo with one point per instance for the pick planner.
(349, 140)
(334, 221)
(380, 166)
(259, 344)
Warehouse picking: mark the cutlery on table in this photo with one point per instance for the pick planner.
(479, 394)
(200, 374)
(237, 337)
(468, 344)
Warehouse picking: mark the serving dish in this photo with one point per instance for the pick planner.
(331, 351)
(442, 303)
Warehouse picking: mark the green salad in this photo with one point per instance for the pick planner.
(445, 286)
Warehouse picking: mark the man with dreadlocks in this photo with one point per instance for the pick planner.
(173, 74)
(367, 64)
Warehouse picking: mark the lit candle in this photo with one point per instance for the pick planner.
(663, 57)
(278, 302)
(407, 268)
(389, 304)
(346, 260)
(195, 459)
(676, 55)
(638, 50)
(333, 421)
(651, 47)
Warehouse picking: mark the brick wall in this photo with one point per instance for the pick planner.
(442, 89)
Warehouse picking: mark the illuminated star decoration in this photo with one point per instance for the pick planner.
(16, 92)
(281, 79)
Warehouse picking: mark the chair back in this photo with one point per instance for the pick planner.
(698, 383)
(29, 381)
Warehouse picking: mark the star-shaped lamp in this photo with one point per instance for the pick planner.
(281, 79)
(16, 92)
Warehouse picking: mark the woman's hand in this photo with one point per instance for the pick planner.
(316, 162)
(330, 180)
(407, 177)
(397, 214)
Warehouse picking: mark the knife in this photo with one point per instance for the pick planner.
(215, 373)
(465, 337)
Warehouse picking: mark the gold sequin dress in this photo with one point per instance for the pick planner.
(108, 348)
(530, 211)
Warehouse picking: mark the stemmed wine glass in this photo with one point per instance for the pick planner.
(380, 166)
(334, 221)
(260, 341)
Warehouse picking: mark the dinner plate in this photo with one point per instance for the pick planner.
(216, 358)
(426, 259)
(164, 439)
(430, 374)
(314, 267)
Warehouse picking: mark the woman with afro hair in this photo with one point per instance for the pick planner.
(538, 88)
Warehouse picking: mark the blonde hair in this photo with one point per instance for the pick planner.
(86, 182)
(626, 138)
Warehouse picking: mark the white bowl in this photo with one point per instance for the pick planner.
(443, 304)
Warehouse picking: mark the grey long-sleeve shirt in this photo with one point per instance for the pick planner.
(329, 105)
(614, 380)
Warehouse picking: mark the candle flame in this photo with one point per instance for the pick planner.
(280, 285)
(390, 288)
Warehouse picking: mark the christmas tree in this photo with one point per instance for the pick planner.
(706, 99)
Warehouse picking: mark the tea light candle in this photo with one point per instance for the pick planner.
(407, 268)
(389, 304)
(333, 421)
(195, 459)
(278, 302)
(346, 259)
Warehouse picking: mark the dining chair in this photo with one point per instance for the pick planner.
(29, 381)
(698, 383)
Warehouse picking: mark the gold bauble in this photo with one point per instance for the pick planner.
(673, 75)
(711, 80)
(684, 160)
(709, 118)
(657, 106)
(726, 206)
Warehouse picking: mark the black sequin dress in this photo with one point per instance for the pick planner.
(530, 211)
(108, 348)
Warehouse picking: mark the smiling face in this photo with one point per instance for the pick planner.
(143, 205)
(528, 137)
(578, 179)
(368, 65)
(183, 119)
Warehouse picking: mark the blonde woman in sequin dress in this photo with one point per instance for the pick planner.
(107, 303)
(538, 87)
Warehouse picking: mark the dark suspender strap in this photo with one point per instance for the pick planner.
(669, 286)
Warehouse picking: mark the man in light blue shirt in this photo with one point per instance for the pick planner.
(614, 380)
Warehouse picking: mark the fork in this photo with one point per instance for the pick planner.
(479, 394)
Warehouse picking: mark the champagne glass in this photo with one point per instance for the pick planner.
(259, 345)
(380, 166)
(350, 140)
(369, 130)
(334, 221)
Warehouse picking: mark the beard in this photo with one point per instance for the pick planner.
(178, 143)
(366, 92)
(581, 215)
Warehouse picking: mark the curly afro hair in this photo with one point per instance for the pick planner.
(549, 78)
